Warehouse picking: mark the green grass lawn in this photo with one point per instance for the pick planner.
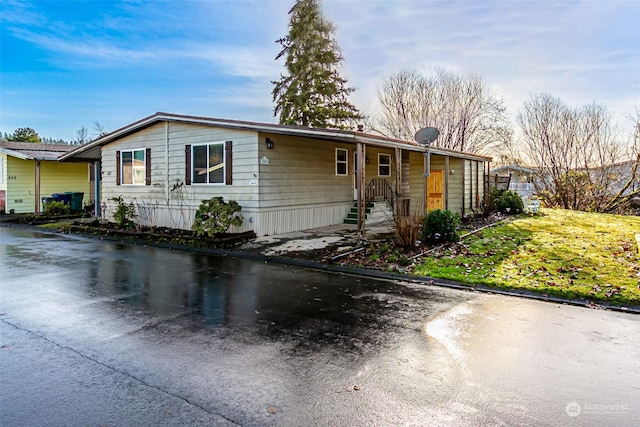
(558, 252)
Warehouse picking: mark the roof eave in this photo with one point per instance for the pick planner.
(335, 135)
(14, 153)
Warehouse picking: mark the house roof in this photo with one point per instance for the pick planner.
(515, 168)
(34, 150)
(91, 151)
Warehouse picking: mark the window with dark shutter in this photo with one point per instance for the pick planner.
(228, 161)
(147, 160)
(118, 166)
(208, 163)
(133, 168)
(187, 157)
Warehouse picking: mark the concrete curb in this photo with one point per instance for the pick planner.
(355, 271)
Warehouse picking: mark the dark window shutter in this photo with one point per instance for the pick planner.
(147, 162)
(117, 168)
(187, 163)
(228, 178)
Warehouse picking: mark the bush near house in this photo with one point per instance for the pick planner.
(440, 226)
(124, 214)
(504, 201)
(215, 216)
(55, 208)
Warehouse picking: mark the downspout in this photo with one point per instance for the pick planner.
(397, 190)
(360, 156)
(425, 179)
(166, 159)
(37, 186)
(96, 187)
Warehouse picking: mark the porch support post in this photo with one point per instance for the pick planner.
(446, 182)
(96, 188)
(360, 159)
(36, 163)
(397, 193)
(426, 182)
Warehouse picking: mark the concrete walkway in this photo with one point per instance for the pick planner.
(340, 237)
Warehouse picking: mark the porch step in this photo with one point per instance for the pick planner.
(374, 212)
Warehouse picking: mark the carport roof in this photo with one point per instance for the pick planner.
(34, 150)
(91, 151)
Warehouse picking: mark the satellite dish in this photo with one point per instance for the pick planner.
(426, 135)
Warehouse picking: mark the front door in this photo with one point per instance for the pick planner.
(435, 189)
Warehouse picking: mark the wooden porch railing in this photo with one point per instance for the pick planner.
(379, 189)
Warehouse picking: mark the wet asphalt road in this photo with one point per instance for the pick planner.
(97, 333)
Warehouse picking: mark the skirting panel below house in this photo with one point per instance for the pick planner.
(262, 222)
(296, 218)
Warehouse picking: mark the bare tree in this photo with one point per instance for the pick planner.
(575, 153)
(98, 129)
(468, 117)
(82, 136)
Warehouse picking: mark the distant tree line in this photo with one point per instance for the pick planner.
(30, 135)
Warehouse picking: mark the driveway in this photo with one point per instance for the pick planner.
(101, 333)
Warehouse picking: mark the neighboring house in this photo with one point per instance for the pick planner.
(30, 171)
(617, 175)
(520, 178)
(285, 178)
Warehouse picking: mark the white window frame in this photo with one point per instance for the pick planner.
(133, 167)
(1, 169)
(380, 156)
(224, 163)
(344, 162)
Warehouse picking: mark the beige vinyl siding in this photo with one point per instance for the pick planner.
(417, 181)
(455, 189)
(292, 187)
(299, 188)
(301, 172)
(168, 200)
(474, 186)
(453, 182)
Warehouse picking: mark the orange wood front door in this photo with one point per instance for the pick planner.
(435, 189)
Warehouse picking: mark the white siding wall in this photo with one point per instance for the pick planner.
(291, 187)
(299, 188)
(455, 185)
(168, 201)
(474, 186)
(296, 187)
(453, 182)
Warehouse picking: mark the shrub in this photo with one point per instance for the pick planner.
(216, 216)
(507, 201)
(440, 226)
(55, 208)
(124, 213)
(407, 230)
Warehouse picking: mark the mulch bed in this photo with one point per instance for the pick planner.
(159, 235)
(385, 255)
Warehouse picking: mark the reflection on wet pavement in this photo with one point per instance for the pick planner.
(239, 336)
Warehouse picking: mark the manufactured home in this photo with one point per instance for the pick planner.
(285, 178)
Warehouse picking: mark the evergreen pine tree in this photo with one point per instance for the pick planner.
(313, 93)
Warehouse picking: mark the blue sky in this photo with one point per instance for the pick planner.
(67, 64)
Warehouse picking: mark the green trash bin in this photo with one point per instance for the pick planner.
(75, 200)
